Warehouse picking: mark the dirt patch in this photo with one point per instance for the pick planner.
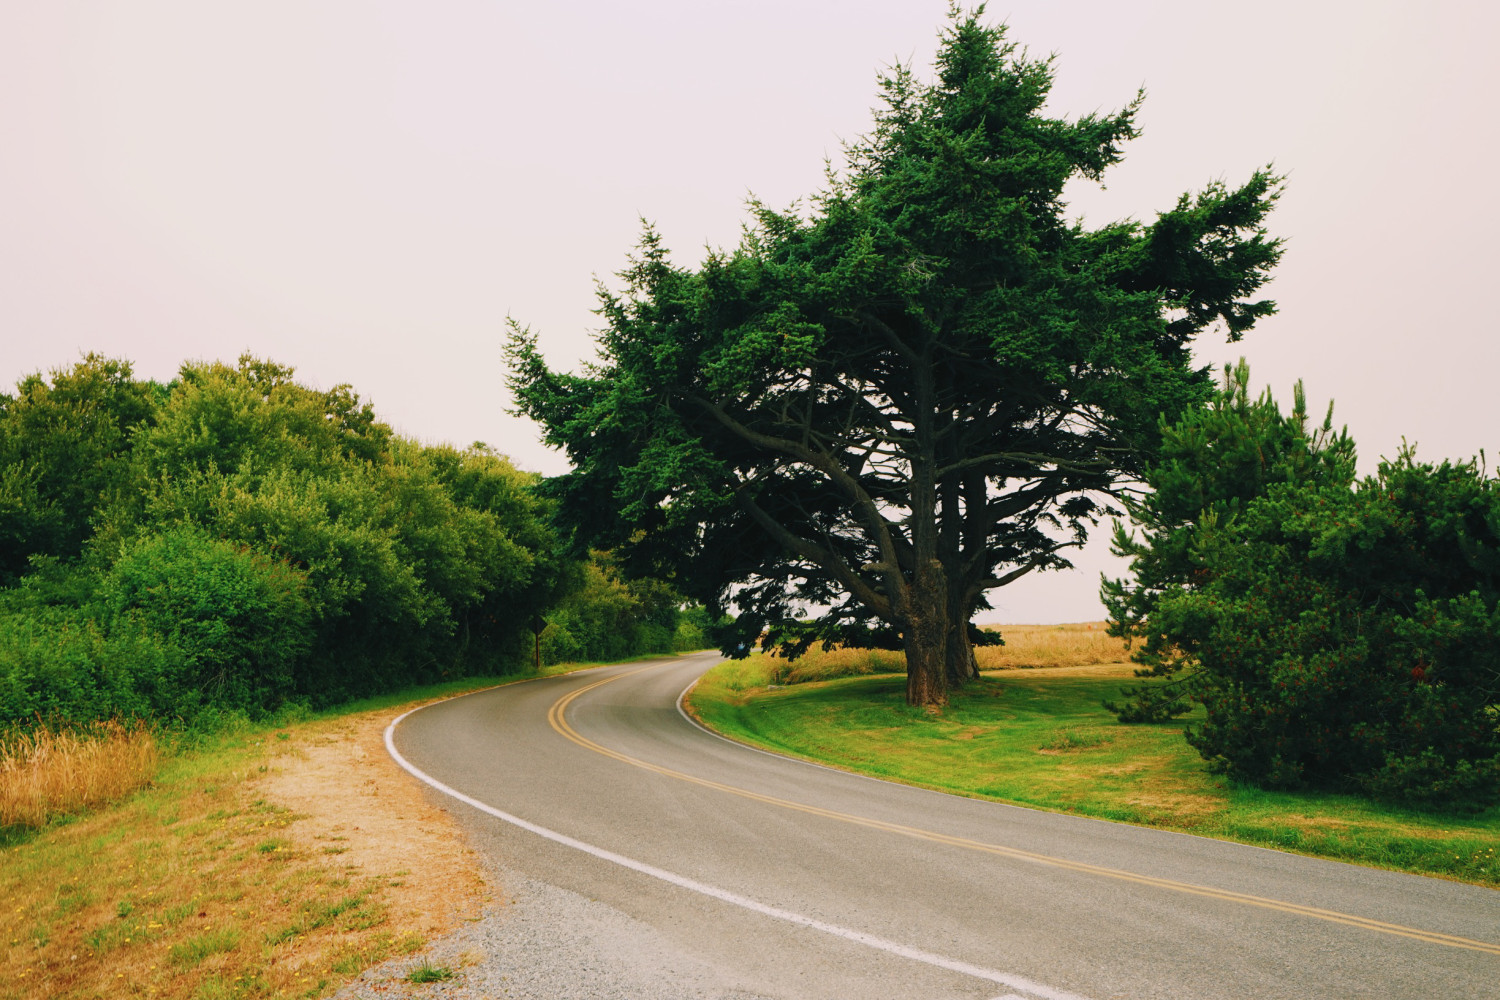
(359, 808)
(1323, 824)
(274, 864)
(1169, 808)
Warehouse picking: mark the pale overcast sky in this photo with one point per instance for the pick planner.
(366, 189)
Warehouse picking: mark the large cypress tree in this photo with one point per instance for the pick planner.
(924, 388)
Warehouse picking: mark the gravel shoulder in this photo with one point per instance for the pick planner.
(546, 943)
(352, 799)
(503, 933)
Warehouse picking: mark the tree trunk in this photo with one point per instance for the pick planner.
(926, 667)
(924, 599)
(962, 666)
(925, 634)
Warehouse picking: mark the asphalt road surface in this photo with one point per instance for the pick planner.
(795, 881)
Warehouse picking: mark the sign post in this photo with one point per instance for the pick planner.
(538, 626)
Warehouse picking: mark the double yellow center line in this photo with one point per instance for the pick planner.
(556, 717)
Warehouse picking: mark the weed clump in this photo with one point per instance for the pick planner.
(429, 973)
(47, 773)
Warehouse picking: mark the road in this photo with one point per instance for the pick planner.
(803, 882)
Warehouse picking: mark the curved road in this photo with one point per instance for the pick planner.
(797, 881)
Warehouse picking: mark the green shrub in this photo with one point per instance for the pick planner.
(65, 445)
(237, 621)
(60, 665)
(559, 645)
(1339, 635)
(213, 548)
(1210, 465)
(1351, 639)
(420, 563)
(692, 630)
(606, 617)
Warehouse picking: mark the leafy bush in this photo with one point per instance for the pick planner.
(1348, 638)
(65, 443)
(692, 630)
(235, 539)
(1210, 466)
(606, 617)
(179, 623)
(237, 622)
(218, 546)
(59, 664)
(1339, 635)
(421, 563)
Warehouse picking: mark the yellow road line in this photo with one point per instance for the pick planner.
(556, 718)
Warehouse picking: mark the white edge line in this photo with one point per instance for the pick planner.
(734, 899)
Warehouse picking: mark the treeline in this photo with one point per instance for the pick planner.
(1339, 632)
(234, 540)
(605, 616)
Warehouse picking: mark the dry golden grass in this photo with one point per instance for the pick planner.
(213, 883)
(818, 664)
(1078, 645)
(45, 773)
(203, 896)
(1052, 646)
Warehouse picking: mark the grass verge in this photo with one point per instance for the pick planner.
(199, 885)
(1040, 738)
(192, 888)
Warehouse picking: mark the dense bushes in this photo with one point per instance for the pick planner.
(64, 448)
(236, 623)
(609, 618)
(1351, 637)
(693, 630)
(235, 539)
(1337, 634)
(1210, 466)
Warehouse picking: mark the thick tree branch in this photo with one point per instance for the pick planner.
(864, 504)
(1029, 459)
(819, 555)
(900, 346)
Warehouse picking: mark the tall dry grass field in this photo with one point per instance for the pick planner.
(1077, 645)
(46, 773)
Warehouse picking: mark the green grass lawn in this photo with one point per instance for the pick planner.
(1041, 738)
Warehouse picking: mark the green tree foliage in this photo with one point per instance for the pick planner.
(923, 389)
(694, 629)
(63, 442)
(1210, 465)
(421, 562)
(607, 617)
(236, 538)
(60, 661)
(235, 622)
(1348, 636)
